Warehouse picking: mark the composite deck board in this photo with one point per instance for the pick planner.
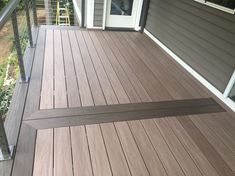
(85, 69)
(194, 151)
(62, 152)
(83, 84)
(117, 159)
(70, 73)
(43, 164)
(80, 66)
(164, 76)
(99, 157)
(179, 152)
(60, 92)
(47, 92)
(80, 152)
(97, 92)
(219, 146)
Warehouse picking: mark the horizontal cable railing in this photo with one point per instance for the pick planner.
(15, 34)
(16, 21)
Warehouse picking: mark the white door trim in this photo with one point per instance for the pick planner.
(202, 80)
(138, 14)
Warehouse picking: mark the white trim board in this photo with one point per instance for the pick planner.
(202, 80)
(77, 11)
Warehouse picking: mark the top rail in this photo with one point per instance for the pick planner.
(7, 11)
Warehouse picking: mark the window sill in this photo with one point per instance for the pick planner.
(219, 7)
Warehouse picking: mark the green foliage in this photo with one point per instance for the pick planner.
(2, 73)
(5, 98)
(7, 90)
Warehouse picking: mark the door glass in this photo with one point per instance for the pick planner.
(121, 7)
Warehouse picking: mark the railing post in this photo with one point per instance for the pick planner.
(18, 47)
(28, 23)
(35, 18)
(6, 151)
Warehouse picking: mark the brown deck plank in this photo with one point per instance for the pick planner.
(205, 146)
(99, 158)
(115, 153)
(169, 162)
(95, 86)
(47, 96)
(166, 78)
(217, 129)
(62, 152)
(59, 78)
(134, 158)
(113, 67)
(181, 155)
(83, 84)
(219, 146)
(70, 73)
(149, 82)
(114, 87)
(150, 79)
(150, 157)
(43, 161)
(80, 152)
(23, 161)
(162, 57)
(127, 69)
(194, 151)
(33, 96)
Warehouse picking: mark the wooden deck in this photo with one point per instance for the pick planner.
(78, 68)
(173, 146)
(106, 103)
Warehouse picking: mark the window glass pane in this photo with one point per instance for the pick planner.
(226, 3)
(232, 93)
(121, 7)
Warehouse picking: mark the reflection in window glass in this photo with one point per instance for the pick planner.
(226, 3)
(232, 93)
(121, 7)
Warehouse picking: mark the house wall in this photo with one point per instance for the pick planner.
(98, 13)
(201, 36)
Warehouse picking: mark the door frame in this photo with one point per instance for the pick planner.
(137, 19)
(90, 15)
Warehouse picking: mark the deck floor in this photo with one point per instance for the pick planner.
(183, 146)
(102, 103)
(92, 68)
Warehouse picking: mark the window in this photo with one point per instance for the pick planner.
(224, 5)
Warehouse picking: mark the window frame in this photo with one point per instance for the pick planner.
(216, 6)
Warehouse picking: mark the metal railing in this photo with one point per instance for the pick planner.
(9, 11)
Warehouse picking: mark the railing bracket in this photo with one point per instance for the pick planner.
(4, 157)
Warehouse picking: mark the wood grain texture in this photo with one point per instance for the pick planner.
(60, 92)
(80, 152)
(117, 159)
(99, 158)
(133, 156)
(166, 156)
(43, 160)
(205, 146)
(47, 92)
(70, 73)
(62, 152)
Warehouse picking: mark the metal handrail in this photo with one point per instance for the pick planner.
(6, 151)
(7, 11)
